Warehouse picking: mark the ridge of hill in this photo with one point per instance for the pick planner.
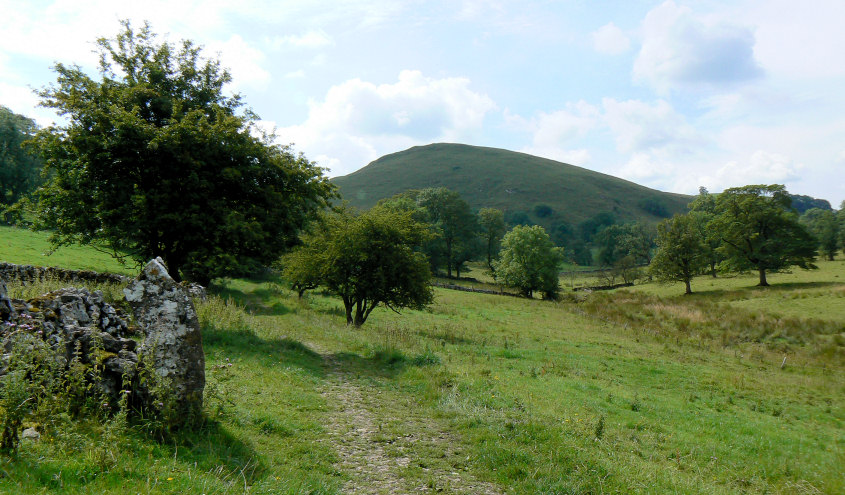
(528, 188)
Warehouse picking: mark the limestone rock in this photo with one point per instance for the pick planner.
(172, 346)
(30, 434)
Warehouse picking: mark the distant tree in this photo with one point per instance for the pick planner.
(705, 204)
(366, 260)
(802, 203)
(654, 206)
(303, 266)
(634, 240)
(19, 168)
(681, 249)
(492, 224)
(824, 226)
(760, 230)
(453, 220)
(529, 261)
(590, 227)
(156, 160)
(841, 217)
(579, 253)
(543, 210)
(517, 217)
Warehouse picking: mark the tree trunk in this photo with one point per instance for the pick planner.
(688, 288)
(713, 269)
(763, 282)
(348, 306)
(449, 258)
(173, 269)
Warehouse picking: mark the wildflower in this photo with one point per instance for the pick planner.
(169, 479)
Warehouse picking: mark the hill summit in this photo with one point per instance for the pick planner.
(528, 188)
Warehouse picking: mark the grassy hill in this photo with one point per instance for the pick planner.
(511, 181)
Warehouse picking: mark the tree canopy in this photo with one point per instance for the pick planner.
(454, 222)
(824, 226)
(705, 204)
(681, 249)
(759, 230)
(529, 261)
(19, 168)
(367, 260)
(157, 160)
(492, 224)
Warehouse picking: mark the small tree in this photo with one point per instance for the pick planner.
(824, 226)
(705, 204)
(492, 223)
(453, 221)
(760, 231)
(367, 260)
(681, 250)
(529, 261)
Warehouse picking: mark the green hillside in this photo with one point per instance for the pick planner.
(511, 181)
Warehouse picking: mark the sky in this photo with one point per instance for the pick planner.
(673, 95)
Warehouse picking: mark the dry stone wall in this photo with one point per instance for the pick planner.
(29, 273)
(80, 326)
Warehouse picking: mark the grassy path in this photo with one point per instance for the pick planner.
(385, 443)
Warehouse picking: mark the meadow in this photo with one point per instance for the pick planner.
(735, 389)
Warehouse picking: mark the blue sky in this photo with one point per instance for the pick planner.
(673, 95)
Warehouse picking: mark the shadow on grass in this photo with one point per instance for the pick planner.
(212, 449)
(744, 291)
(244, 344)
(97, 467)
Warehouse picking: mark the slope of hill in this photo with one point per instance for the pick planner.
(544, 191)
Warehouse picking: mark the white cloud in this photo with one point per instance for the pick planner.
(648, 167)
(762, 167)
(798, 39)
(640, 127)
(609, 39)
(553, 133)
(358, 120)
(243, 60)
(559, 127)
(680, 48)
(311, 39)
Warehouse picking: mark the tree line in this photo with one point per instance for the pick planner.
(749, 228)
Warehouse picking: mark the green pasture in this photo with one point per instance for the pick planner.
(735, 389)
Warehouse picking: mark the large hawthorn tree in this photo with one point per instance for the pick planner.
(157, 160)
(760, 230)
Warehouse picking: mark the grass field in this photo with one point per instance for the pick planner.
(640, 390)
(25, 247)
